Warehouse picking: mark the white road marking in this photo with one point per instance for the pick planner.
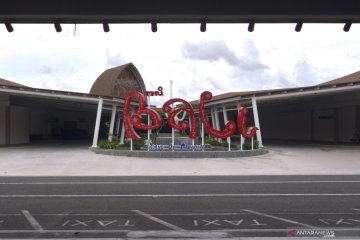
(81, 223)
(346, 229)
(178, 234)
(214, 222)
(178, 182)
(179, 195)
(278, 218)
(178, 214)
(198, 214)
(65, 223)
(323, 221)
(356, 209)
(65, 231)
(129, 214)
(82, 214)
(10, 214)
(33, 222)
(158, 220)
(236, 223)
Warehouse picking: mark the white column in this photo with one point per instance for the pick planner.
(225, 114)
(241, 136)
(217, 119)
(213, 118)
(225, 121)
(97, 123)
(149, 131)
(217, 122)
(122, 134)
(112, 122)
(118, 121)
(256, 120)
(202, 134)
(172, 107)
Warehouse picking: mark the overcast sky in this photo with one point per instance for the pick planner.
(226, 58)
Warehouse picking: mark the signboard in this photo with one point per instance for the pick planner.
(135, 119)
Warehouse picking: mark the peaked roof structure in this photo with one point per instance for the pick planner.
(118, 81)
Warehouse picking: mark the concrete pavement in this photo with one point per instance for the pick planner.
(77, 160)
(179, 207)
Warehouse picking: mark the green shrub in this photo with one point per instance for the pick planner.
(235, 138)
(226, 145)
(137, 143)
(105, 144)
(212, 141)
(114, 138)
(247, 144)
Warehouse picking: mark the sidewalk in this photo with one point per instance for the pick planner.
(77, 160)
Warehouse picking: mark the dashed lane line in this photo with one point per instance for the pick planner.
(355, 229)
(33, 222)
(279, 218)
(177, 195)
(158, 220)
(177, 182)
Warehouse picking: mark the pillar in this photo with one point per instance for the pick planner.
(225, 121)
(256, 120)
(213, 118)
(118, 122)
(122, 134)
(112, 122)
(217, 122)
(241, 136)
(97, 123)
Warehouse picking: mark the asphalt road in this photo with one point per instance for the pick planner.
(197, 207)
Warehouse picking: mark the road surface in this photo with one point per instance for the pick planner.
(199, 207)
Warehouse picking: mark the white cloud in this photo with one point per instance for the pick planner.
(225, 58)
(216, 50)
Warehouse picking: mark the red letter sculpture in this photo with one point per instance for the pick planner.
(183, 124)
(229, 125)
(135, 120)
(241, 121)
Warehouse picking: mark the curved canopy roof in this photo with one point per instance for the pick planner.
(118, 81)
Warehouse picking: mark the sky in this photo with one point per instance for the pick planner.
(225, 58)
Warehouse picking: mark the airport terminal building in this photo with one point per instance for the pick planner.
(30, 114)
(328, 112)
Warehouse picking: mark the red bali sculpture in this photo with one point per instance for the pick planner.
(230, 126)
(241, 121)
(182, 124)
(135, 120)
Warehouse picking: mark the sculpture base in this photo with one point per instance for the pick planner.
(181, 154)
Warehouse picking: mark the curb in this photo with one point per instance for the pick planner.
(181, 154)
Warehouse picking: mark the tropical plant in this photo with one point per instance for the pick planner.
(247, 144)
(105, 144)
